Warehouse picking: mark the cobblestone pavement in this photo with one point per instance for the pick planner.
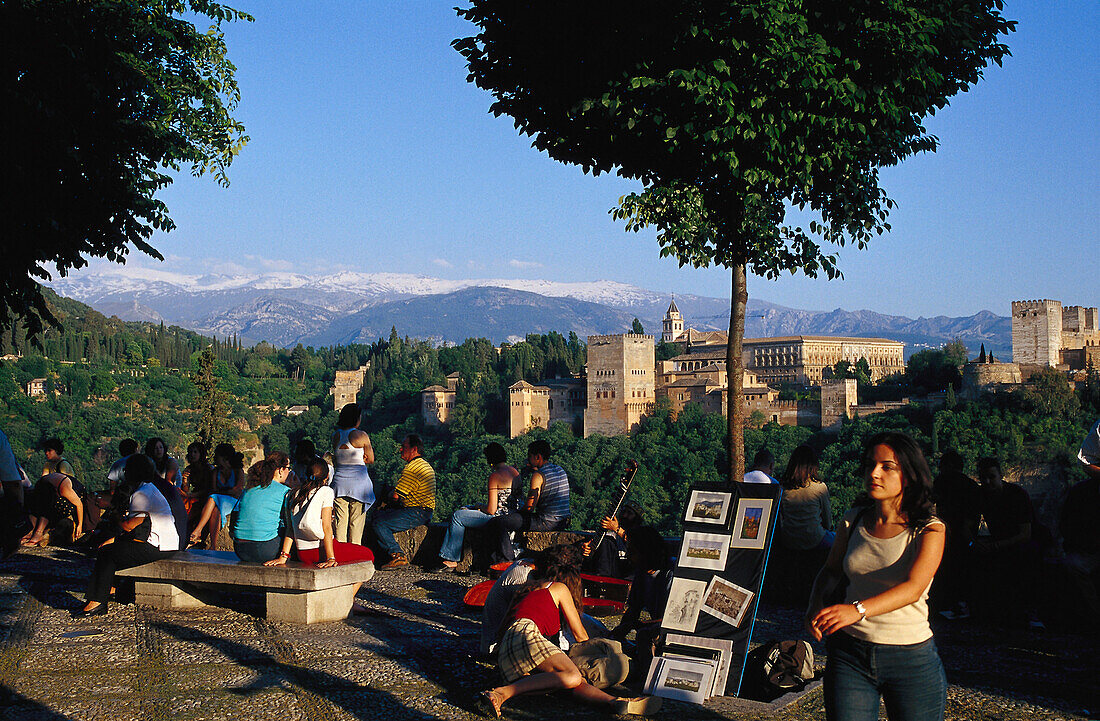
(412, 657)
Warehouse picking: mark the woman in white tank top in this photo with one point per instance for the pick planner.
(879, 642)
(351, 483)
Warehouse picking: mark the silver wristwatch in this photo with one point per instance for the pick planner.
(861, 608)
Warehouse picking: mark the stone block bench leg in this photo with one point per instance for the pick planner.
(331, 604)
(164, 596)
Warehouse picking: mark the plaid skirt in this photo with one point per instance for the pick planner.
(522, 649)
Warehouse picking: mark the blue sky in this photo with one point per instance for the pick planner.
(370, 151)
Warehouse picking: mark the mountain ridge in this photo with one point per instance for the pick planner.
(349, 306)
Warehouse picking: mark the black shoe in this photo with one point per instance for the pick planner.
(444, 568)
(100, 610)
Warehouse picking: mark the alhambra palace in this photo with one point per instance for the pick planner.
(623, 380)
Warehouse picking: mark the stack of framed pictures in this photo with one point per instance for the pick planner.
(707, 624)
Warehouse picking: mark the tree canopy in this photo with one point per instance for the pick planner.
(103, 99)
(731, 113)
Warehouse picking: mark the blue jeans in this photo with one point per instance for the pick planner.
(909, 679)
(258, 551)
(388, 521)
(461, 519)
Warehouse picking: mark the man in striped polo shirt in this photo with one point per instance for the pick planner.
(547, 506)
(409, 504)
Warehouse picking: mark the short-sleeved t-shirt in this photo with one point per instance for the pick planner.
(758, 477)
(416, 486)
(258, 512)
(149, 500)
(319, 499)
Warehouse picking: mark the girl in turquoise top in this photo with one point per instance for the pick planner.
(257, 521)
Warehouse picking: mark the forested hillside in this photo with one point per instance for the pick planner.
(107, 380)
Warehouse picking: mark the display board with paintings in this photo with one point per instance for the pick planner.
(712, 600)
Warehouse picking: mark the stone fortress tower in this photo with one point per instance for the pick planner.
(621, 382)
(672, 327)
(1042, 331)
(347, 386)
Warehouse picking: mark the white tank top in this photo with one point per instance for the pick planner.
(350, 456)
(874, 565)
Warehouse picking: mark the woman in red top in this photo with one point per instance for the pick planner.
(524, 648)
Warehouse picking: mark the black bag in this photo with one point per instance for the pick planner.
(776, 668)
(139, 533)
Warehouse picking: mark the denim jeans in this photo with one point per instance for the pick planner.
(258, 551)
(388, 521)
(461, 519)
(909, 679)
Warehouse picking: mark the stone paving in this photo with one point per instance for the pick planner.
(412, 657)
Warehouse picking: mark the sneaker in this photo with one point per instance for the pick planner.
(397, 561)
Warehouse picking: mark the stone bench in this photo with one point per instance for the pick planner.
(296, 592)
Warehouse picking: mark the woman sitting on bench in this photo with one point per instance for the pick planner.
(309, 527)
(256, 523)
(147, 533)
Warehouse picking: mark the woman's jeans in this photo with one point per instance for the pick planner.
(461, 519)
(258, 551)
(909, 679)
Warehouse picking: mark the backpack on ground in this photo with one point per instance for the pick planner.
(775, 668)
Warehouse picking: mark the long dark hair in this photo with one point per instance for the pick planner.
(150, 445)
(229, 453)
(201, 475)
(273, 462)
(318, 476)
(801, 469)
(916, 493)
(139, 469)
(350, 416)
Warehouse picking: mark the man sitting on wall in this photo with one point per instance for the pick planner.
(763, 468)
(408, 504)
(547, 505)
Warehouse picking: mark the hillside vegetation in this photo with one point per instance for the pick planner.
(108, 379)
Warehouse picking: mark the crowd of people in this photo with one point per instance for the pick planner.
(978, 538)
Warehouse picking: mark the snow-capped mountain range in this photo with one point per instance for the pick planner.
(288, 308)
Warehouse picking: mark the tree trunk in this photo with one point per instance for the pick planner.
(735, 372)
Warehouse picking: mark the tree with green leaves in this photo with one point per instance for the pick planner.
(731, 114)
(102, 98)
(212, 402)
(636, 327)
